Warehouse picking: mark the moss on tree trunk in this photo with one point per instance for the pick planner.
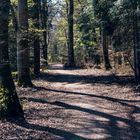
(9, 102)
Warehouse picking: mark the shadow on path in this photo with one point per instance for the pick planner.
(89, 79)
(61, 133)
(111, 127)
(121, 101)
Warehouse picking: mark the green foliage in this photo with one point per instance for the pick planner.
(115, 17)
(86, 41)
(4, 101)
(14, 75)
(102, 13)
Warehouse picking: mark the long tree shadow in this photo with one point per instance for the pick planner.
(91, 95)
(90, 79)
(67, 106)
(61, 133)
(112, 125)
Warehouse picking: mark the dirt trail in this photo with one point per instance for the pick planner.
(81, 104)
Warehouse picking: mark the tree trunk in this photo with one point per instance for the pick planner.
(136, 42)
(22, 45)
(9, 102)
(71, 61)
(45, 28)
(36, 39)
(105, 51)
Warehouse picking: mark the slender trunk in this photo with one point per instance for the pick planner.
(71, 61)
(136, 44)
(45, 32)
(36, 39)
(105, 51)
(22, 45)
(36, 56)
(9, 102)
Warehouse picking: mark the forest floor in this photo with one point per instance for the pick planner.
(80, 104)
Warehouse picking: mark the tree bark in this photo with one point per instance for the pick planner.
(9, 102)
(22, 45)
(36, 39)
(136, 43)
(105, 51)
(71, 61)
(45, 28)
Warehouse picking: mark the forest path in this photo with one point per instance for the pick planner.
(80, 104)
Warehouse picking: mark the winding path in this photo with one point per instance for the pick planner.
(80, 104)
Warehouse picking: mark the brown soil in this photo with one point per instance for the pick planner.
(80, 104)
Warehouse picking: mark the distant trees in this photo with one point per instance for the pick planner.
(101, 12)
(86, 43)
(9, 102)
(120, 21)
(76, 30)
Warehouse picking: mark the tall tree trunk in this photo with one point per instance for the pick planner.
(105, 51)
(9, 102)
(45, 28)
(71, 61)
(36, 39)
(136, 45)
(134, 48)
(22, 45)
